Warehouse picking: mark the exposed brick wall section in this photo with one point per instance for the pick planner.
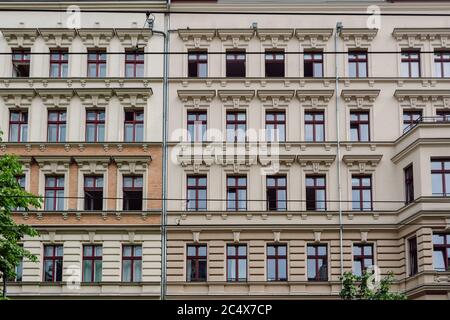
(155, 180)
(112, 186)
(73, 186)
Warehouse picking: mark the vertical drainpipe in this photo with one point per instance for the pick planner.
(338, 145)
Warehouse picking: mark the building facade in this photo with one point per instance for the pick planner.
(295, 148)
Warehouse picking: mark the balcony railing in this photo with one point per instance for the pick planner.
(434, 119)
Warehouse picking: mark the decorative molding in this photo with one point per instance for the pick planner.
(317, 236)
(53, 165)
(92, 165)
(196, 97)
(19, 37)
(94, 97)
(130, 37)
(358, 37)
(93, 37)
(414, 36)
(197, 37)
(276, 98)
(55, 97)
(360, 98)
(314, 38)
(275, 37)
(17, 98)
(315, 98)
(57, 37)
(362, 163)
(316, 163)
(133, 97)
(236, 98)
(132, 165)
(236, 37)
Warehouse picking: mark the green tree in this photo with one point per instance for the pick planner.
(363, 288)
(13, 196)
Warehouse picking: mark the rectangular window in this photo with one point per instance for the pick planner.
(362, 258)
(19, 272)
(442, 64)
(313, 64)
(236, 126)
(440, 177)
(132, 192)
(96, 63)
(409, 184)
(131, 263)
(317, 262)
(53, 263)
(93, 193)
(441, 252)
(196, 263)
(197, 125)
(236, 262)
(21, 62)
(235, 63)
(18, 126)
(443, 115)
(95, 126)
(196, 193)
(56, 127)
(54, 193)
(362, 193)
(410, 63)
(275, 126)
(276, 262)
(316, 193)
(413, 260)
(21, 181)
(134, 126)
(198, 64)
(274, 63)
(357, 64)
(236, 193)
(276, 193)
(92, 263)
(359, 126)
(134, 63)
(59, 63)
(411, 118)
(314, 126)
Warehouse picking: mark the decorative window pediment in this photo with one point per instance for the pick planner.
(53, 165)
(55, 98)
(275, 37)
(362, 163)
(94, 97)
(196, 98)
(358, 37)
(197, 37)
(413, 36)
(92, 165)
(92, 37)
(316, 163)
(275, 98)
(415, 98)
(276, 160)
(133, 97)
(16, 98)
(313, 38)
(236, 98)
(132, 165)
(194, 163)
(19, 37)
(314, 98)
(57, 37)
(236, 37)
(360, 98)
(132, 37)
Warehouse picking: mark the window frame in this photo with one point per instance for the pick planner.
(444, 248)
(442, 172)
(313, 61)
(410, 118)
(236, 187)
(21, 125)
(281, 64)
(54, 258)
(197, 125)
(232, 65)
(233, 125)
(236, 258)
(315, 124)
(405, 57)
(408, 173)
(353, 58)
(315, 187)
(363, 256)
(197, 187)
(360, 188)
(134, 125)
(277, 258)
(197, 62)
(196, 258)
(98, 62)
(132, 258)
(413, 262)
(63, 59)
(441, 61)
(94, 188)
(134, 62)
(316, 257)
(59, 125)
(277, 188)
(134, 188)
(25, 59)
(357, 125)
(96, 123)
(54, 190)
(92, 259)
(276, 123)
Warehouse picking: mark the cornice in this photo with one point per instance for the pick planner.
(96, 37)
(279, 95)
(206, 95)
(314, 96)
(57, 37)
(130, 37)
(238, 37)
(360, 98)
(19, 37)
(197, 36)
(17, 97)
(362, 163)
(233, 95)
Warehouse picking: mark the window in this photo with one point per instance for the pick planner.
(198, 64)
(441, 252)
(313, 64)
(411, 63)
(236, 126)
(196, 193)
(134, 63)
(409, 184)
(18, 126)
(443, 115)
(19, 272)
(131, 263)
(316, 193)
(440, 177)
(442, 64)
(196, 125)
(53, 263)
(56, 128)
(362, 258)
(411, 118)
(236, 262)
(275, 126)
(276, 262)
(132, 192)
(314, 126)
(235, 61)
(357, 64)
(54, 193)
(93, 193)
(274, 63)
(359, 126)
(59, 63)
(236, 193)
(276, 193)
(92, 263)
(21, 62)
(97, 63)
(134, 126)
(362, 193)
(21, 181)
(413, 261)
(95, 126)
(317, 262)
(196, 263)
